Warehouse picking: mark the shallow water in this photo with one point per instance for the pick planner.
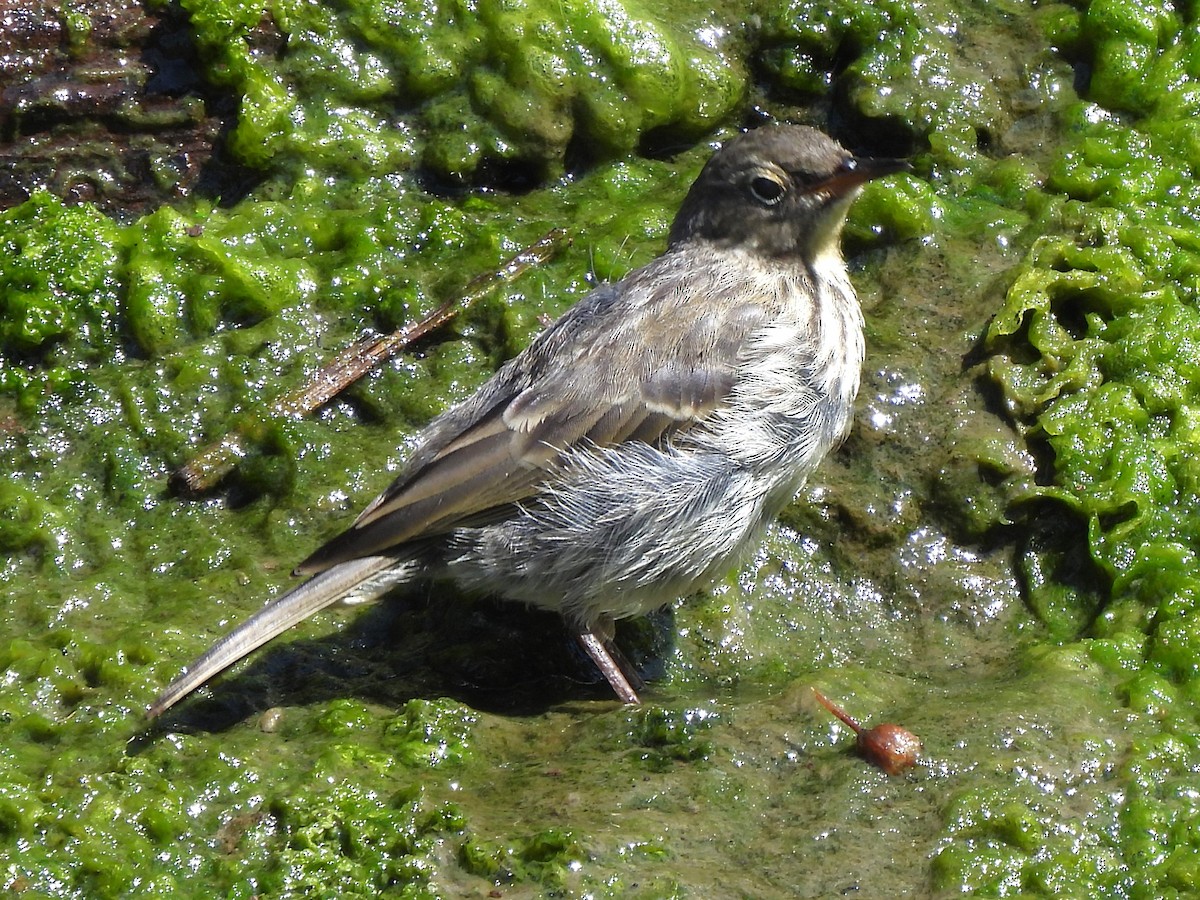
(439, 746)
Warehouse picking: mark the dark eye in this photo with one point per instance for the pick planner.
(766, 190)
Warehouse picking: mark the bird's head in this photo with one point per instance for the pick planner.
(781, 190)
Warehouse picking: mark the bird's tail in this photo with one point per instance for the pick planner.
(355, 581)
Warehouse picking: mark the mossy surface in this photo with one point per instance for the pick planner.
(1002, 557)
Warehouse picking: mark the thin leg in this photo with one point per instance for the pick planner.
(598, 650)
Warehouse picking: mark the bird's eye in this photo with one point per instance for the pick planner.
(767, 191)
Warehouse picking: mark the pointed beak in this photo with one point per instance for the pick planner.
(855, 172)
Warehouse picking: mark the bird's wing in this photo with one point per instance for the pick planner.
(631, 362)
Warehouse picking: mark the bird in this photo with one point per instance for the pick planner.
(643, 442)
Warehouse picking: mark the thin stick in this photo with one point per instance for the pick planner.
(219, 458)
(836, 710)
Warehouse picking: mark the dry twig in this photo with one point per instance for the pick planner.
(219, 458)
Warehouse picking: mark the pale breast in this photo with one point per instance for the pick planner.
(797, 377)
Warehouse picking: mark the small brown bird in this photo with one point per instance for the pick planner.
(641, 443)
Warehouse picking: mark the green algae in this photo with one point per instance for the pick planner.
(1094, 355)
(489, 83)
(58, 277)
(897, 63)
(1055, 695)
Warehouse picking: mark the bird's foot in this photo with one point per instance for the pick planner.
(612, 664)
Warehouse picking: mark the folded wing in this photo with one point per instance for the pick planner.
(497, 450)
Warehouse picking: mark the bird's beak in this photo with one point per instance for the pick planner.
(855, 172)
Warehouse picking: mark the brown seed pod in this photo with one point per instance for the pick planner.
(890, 747)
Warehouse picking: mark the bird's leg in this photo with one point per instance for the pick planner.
(611, 663)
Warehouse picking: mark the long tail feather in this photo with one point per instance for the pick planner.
(357, 580)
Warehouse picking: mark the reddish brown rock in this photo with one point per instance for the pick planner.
(106, 103)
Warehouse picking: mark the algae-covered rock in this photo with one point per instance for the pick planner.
(898, 66)
(58, 277)
(1003, 556)
(498, 83)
